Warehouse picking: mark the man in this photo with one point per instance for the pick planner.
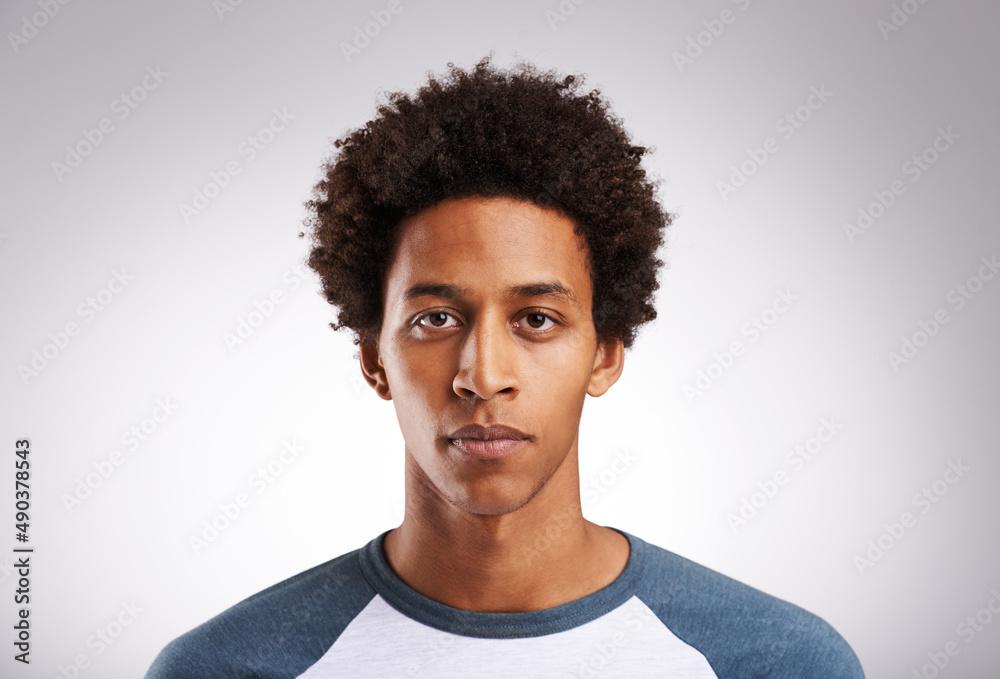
(491, 241)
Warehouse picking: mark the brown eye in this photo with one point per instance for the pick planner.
(437, 319)
(537, 321)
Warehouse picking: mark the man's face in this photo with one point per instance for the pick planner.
(488, 321)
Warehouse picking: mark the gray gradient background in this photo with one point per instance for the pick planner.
(162, 337)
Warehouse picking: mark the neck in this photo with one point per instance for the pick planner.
(543, 554)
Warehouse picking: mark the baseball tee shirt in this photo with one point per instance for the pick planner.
(664, 616)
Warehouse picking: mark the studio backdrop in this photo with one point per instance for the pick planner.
(812, 412)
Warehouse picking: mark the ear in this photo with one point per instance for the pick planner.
(374, 371)
(608, 365)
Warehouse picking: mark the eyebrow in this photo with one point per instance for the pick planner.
(444, 291)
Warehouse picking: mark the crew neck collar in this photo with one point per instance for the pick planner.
(566, 616)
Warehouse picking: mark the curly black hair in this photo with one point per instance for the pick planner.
(485, 132)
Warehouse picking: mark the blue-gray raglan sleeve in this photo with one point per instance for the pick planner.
(277, 633)
(740, 630)
(816, 651)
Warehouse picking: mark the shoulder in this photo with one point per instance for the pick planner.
(742, 631)
(284, 628)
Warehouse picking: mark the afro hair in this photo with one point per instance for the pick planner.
(486, 132)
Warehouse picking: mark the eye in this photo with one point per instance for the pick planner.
(437, 319)
(536, 320)
(532, 320)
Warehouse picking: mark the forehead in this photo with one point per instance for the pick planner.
(483, 245)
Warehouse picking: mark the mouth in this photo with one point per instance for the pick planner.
(489, 442)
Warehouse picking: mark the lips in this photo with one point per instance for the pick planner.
(489, 442)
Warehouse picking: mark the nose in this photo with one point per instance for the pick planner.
(488, 360)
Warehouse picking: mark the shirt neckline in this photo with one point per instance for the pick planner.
(559, 618)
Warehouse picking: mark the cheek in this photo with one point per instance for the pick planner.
(420, 367)
(418, 380)
(568, 362)
(555, 381)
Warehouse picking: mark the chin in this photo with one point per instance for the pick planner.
(488, 504)
(492, 499)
